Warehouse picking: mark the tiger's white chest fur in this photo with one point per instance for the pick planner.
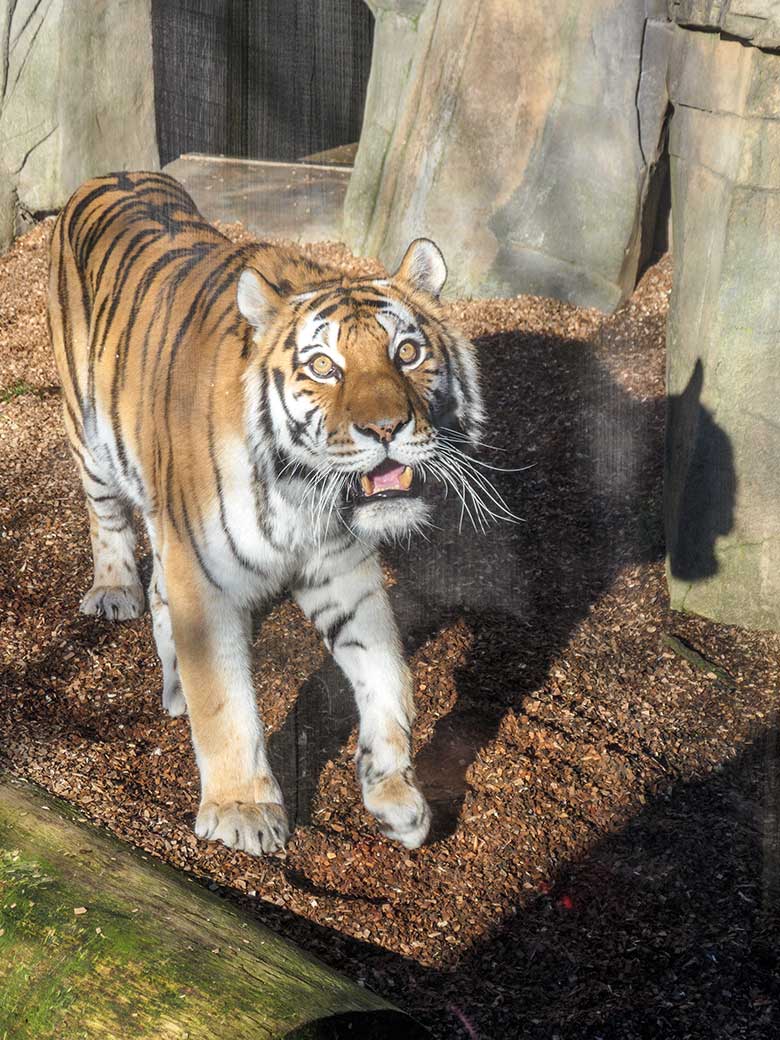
(263, 533)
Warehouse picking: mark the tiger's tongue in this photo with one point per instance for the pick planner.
(386, 476)
(389, 476)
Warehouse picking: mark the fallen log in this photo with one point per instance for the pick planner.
(99, 941)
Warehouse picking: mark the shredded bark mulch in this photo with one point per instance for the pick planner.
(604, 772)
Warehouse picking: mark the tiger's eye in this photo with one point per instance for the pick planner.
(321, 365)
(408, 352)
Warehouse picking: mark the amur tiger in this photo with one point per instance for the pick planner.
(272, 420)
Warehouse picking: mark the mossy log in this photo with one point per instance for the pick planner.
(99, 941)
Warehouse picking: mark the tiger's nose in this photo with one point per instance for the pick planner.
(383, 429)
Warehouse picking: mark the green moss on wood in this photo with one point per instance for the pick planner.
(154, 955)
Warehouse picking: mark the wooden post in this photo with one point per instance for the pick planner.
(99, 941)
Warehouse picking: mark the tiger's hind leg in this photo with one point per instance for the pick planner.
(116, 593)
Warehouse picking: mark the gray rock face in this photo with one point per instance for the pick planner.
(520, 139)
(755, 21)
(723, 491)
(523, 141)
(76, 97)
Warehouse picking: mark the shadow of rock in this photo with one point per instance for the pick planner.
(701, 483)
(666, 929)
(591, 503)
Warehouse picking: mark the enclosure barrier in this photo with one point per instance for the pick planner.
(100, 941)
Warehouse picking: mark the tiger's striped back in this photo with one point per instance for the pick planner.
(142, 309)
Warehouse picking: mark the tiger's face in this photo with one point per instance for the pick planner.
(369, 392)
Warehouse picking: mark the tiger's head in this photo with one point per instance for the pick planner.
(368, 393)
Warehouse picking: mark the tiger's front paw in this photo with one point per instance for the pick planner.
(399, 806)
(254, 827)
(115, 602)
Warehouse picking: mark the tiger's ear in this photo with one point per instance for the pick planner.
(258, 300)
(423, 267)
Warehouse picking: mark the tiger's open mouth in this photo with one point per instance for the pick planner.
(390, 479)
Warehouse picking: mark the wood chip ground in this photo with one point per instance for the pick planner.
(606, 857)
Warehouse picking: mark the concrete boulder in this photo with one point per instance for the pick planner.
(76, 99)
(521, 138)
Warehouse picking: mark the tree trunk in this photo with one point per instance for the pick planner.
(97, 940)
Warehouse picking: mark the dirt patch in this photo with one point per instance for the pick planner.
(605, 861)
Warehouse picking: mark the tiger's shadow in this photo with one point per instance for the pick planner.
(591, 502)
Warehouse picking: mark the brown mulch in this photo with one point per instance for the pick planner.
(606, 851)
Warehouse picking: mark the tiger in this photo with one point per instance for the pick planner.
(273, 421)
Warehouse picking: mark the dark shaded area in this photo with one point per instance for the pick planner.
(316, 727)
(269, 79)
(700, 483)
(655, 238)
(592, 503)
(376, 1025)
(667, 929)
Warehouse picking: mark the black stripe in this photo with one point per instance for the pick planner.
(169, 490)
(147, 390)
(195, 546)
(77, 426)
(317, 614)
(321, 294)
(338, 548)
(324, 314)
(337, 626)
(79, 208)
(245, 562)
(249, 339)
(65, 316)
(103, 222)
(92, 476)
(296, 429)
(334, 629)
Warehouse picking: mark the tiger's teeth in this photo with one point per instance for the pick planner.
(405, 480)
(367, 484)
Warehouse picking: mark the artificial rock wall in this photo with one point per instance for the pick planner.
(76, 99)
(723, 359)
(522, 138)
